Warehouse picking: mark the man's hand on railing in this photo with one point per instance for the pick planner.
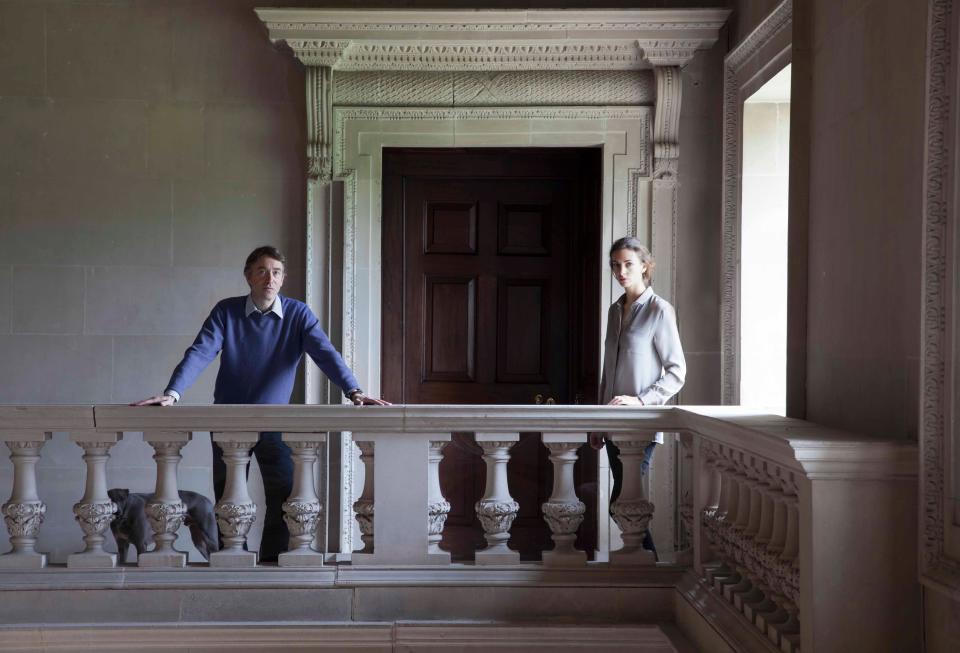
(360, 399)
(156, 400)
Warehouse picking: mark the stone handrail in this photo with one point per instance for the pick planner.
(771, 506)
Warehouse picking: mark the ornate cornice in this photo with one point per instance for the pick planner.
(494, 40)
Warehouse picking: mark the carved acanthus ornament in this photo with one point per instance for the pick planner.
(496, 516)
(301, 517)
(563, 518)
(23, 519)
(235, 519)
(94, 518)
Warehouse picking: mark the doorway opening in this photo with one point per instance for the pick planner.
(763, 264)
(491, 294)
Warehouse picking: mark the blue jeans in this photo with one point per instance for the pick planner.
(616, 467)
(276, 468)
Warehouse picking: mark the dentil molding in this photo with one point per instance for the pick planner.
(361, 40)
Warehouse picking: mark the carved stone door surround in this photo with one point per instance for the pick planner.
(454, 78)
(939, 428)
(760, 56)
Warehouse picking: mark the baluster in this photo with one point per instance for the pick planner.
(686, 473)
(23, 512)
(437, 507)
(165, 511)
(633, 510)
(762, 603)
(497, 509)
(728, 526)
(235, 510)
(750, 544)
(783, 627)
(95, 510)
(774, 613)
(364, 505)
(302, 510)
(564, 511)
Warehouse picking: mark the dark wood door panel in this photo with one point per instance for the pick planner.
(491, 295)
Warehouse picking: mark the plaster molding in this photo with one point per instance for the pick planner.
(778, 25)
(482, 40)
(509, 88)
(938, 569)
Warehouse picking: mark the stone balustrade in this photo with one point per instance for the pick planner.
(768, 507)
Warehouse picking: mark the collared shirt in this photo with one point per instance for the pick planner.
(642, 355)
(275, 308)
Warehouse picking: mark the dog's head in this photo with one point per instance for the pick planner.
(119, 496)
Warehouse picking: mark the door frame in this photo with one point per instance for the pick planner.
(625, 137)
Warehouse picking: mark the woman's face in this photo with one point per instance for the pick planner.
(627, 269)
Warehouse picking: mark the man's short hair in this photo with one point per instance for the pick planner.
(266, 250)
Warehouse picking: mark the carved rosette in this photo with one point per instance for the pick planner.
(166, 517)
(632, 516)
(497, 516)
(563, 518)
(23, 519)
(301, 516)
(437, 513)
(364, 516)
(235, 519)
(94, 517)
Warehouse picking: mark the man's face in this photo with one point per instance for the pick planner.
(265, 278)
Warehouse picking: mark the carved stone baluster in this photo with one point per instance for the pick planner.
(746, 546)
(632, 511)
(302, 510)
(95, 510)
(563, 511)
(23, 512)
(497, 509)
(437, 507)
(165, 511)
(364, 505)
(686, 473)
(761, 603)
(235, 510)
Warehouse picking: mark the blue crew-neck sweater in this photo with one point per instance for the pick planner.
(259, 353)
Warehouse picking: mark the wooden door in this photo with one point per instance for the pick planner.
(490, 268)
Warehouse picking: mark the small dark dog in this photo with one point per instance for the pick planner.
(130, 525)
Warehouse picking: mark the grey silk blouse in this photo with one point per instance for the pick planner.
(642, 356)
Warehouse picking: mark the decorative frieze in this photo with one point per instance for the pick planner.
(523, 88)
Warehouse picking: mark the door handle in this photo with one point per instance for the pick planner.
(540, 400)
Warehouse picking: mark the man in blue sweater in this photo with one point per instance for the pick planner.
(261, 338)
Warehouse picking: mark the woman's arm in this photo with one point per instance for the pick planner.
(666, 342)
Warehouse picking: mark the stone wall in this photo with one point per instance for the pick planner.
(147, 148)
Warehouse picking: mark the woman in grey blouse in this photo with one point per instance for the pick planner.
(643, 362)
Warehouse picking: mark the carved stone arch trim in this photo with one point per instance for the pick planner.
(745, 69)
(939, 530)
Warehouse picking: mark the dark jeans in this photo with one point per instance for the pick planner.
(276, 468)
(616, 467)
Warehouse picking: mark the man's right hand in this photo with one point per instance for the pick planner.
(156, 400)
